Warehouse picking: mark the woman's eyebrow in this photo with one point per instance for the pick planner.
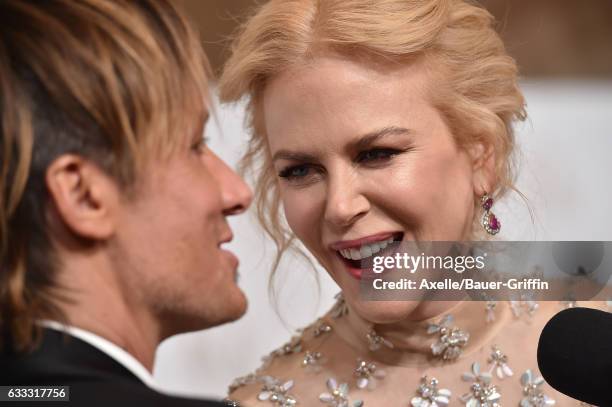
(370, 138)
(293, 156)
(363, 142)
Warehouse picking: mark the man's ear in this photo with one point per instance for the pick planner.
(85, 197)
(483, 167)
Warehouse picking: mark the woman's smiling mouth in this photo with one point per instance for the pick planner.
(357, 255)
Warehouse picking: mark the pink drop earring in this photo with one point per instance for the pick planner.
(489, 221)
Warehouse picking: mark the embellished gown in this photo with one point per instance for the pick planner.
(475, 354)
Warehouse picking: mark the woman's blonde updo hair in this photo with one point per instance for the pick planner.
(476, 85)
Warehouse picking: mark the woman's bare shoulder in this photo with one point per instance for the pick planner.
(281, 369)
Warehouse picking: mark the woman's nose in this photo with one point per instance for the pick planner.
(345, 203)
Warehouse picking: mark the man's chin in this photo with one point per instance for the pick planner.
(238, 309)
(207, 315)
(233, 307)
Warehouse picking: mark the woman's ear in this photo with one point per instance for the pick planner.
(86, 199)
(483, 167)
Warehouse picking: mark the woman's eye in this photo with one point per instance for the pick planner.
(294, 172)
(376, 154)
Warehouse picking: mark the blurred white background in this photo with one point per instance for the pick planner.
(565, 170)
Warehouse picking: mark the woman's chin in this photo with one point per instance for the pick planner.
(383, 312)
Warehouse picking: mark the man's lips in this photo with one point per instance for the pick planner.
(231, 261)
(226, 238)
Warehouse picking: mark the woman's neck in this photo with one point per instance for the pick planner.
(408, 342)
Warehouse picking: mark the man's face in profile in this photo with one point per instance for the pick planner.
(170, 236)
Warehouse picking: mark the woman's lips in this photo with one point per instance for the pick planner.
(378, 237)
(362, 268)
(353, 271)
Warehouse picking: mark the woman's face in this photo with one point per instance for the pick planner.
(362, 157)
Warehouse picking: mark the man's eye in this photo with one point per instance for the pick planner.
(376, 154)
(294, 172)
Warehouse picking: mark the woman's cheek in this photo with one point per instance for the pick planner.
(300, 212)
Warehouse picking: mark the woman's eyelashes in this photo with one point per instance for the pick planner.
(300, 174)
(377, 155)
(306, 173)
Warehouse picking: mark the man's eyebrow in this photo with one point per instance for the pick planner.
(370, 138)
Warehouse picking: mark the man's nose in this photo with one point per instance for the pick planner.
(235, 193)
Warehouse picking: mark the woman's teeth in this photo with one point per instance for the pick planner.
(365, 250)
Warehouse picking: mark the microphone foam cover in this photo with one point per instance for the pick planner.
(575, 354)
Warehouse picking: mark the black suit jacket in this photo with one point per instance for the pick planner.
(95, 379)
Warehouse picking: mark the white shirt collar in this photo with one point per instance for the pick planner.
(119, 355)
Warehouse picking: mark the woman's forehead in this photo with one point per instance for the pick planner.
(335, 96)
(330, 81)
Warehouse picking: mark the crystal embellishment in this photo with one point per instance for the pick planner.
(482, 392)
(368, 374)
(534, 396)
(340, 308)
(428, 394)
(528, 306)
(569, 304)
(312, 361)
(322, 328)
(241, 381)
(452, 340)
(276, 392)
(293, 346)
(338, 395)
(499, 363)
(490, 311)
(375, 341)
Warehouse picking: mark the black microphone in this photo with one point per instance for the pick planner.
(575, 354)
